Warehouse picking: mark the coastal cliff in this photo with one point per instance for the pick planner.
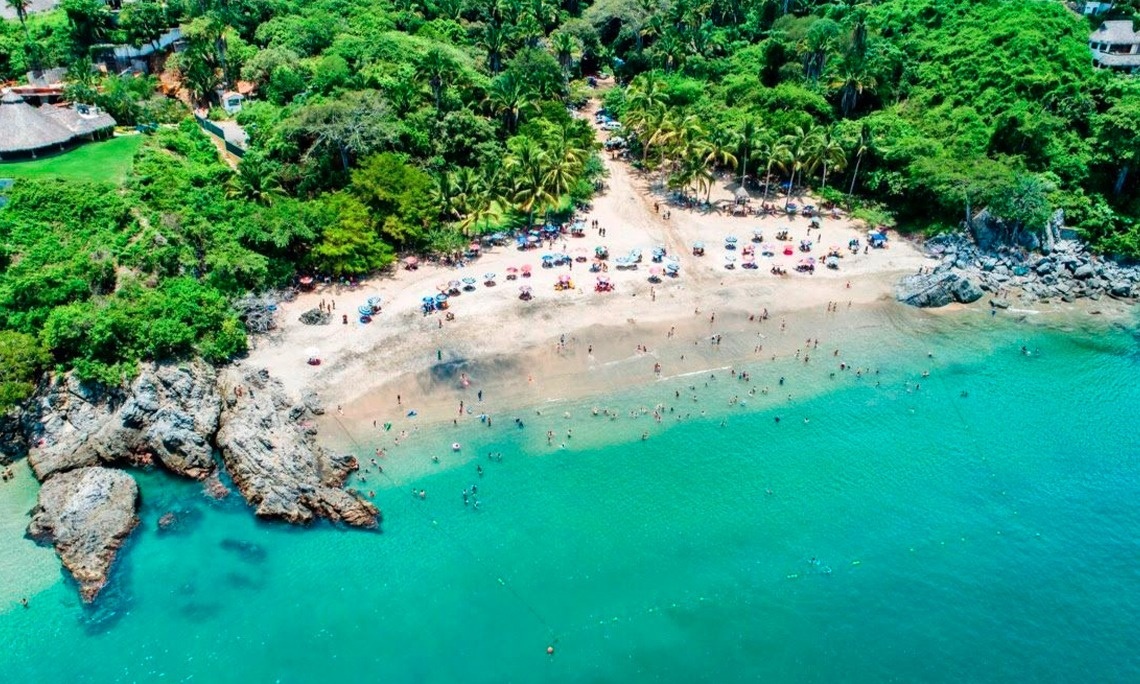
(86, 514)
(271, 453)
(178, 417)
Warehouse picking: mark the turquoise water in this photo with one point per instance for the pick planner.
(986, 537)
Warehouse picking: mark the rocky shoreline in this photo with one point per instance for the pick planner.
(189, 419)
(1060, 270)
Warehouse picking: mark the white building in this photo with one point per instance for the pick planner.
(1116, 45)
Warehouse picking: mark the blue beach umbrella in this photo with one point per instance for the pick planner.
(440, 298)
(731, 239)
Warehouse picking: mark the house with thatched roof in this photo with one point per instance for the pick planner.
(30, 132)
(1116, 45)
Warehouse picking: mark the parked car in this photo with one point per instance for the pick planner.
(612, 125)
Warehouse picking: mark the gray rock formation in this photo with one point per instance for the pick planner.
(1064, 270)
(168, 414)
(932, 290)
(275, 462)
(86, 514)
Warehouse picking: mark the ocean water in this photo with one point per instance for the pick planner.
(983, 527)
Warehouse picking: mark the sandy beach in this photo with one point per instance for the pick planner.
(362, 362)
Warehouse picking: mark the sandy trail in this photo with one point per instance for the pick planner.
(359, 361)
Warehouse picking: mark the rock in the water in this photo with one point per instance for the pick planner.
(215, 489)
(926, 290)
(168, 413)
(275, 461)
(87, 514)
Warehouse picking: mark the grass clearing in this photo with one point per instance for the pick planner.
(108, 161)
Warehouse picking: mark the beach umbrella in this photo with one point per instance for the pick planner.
(364, 310)
(603, 279)
(374, 301)
(442, 287)
(440, 298)
(468, 281)
(548, 257)
(498, 236)
(741, 193)
(757, 233)
(525, 289)
(698, 245)
(532, 239)
(731, 239)
(730, 258)
(654, 270)
(526, 268)
(564, 278)
(411, 261)
(312, 352)
(474, 247)
(488, 276)
(750, 257)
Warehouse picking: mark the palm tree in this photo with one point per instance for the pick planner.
(21, 7)
(254, 181)
(794, 151)
(527, 166)
(712, 152)
(828, 151)
(850, 83)
(436, 67)
(564, 46)
(646, 93)
(768, 151)
(445, 197)
(509, 97)
(493, 40)
(863, 144)
(565, 159)
(744, 136)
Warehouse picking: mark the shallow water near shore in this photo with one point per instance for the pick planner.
(980, 528)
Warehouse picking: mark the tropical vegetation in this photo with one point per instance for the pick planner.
(381, 126)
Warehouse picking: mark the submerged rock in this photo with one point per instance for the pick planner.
(86, 514)
(275, 461)
(168, 414)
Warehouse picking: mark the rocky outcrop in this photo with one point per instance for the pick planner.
(272, 456)
(1062, 270)
(168, 414)
(174, 415)
(86, 514)
(936, 289)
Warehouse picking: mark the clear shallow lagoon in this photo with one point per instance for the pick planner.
(980, 538)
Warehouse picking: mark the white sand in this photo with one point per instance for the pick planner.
(359, 359)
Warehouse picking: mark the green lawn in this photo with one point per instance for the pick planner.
(109, 160)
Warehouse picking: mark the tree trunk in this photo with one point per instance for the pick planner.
(1121, 179)
(854, 176)
(343, 155)
(824, 185)
(743, 170)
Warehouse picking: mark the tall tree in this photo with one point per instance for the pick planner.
(21, 8)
